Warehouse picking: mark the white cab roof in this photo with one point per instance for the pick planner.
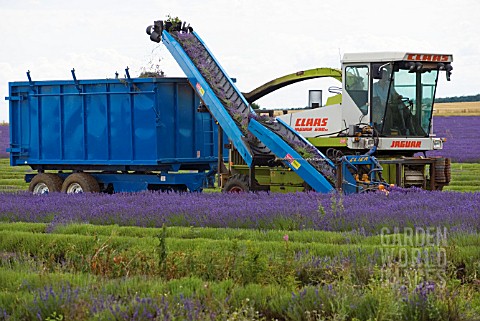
(394, 56)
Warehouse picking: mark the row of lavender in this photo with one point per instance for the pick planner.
(294, 211)
(4, 140)
(462, 134)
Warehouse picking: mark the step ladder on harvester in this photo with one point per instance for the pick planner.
(258, 140)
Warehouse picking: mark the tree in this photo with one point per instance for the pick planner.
(255, 106)
(458, 99)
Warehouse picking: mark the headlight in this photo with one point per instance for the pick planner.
(437, 144)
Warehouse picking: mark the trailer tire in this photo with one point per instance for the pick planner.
(237, 184)
(44, 183)
(80, 183)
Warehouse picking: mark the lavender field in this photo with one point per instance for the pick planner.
(4, 140)
(408, 255)
(404, 255)
(368, 213)
(462, 134)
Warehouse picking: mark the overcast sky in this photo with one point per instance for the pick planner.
(254, 40)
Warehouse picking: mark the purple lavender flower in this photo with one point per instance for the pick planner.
(4, 140)
(370, 211)
(50, 302)
(461, 133)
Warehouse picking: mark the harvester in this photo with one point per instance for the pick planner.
(385, 104)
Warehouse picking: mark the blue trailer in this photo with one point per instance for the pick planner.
(111, 135)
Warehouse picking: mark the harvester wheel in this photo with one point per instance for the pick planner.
(44, 183)
(236, 184)
(80, 183)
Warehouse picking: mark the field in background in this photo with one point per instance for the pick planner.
(462, 136)
(465, 178)
(4, 140)
(457, 109)
(12, 178)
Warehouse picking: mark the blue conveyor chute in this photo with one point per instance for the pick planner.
(251, 138)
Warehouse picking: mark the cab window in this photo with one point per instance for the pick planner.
(356, 85)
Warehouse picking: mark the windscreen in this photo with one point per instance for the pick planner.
(402, 101)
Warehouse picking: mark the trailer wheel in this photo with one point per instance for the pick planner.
(45, 183)
(80, 183)
(236, 184)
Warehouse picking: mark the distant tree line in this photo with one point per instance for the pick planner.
(255, 106)
(458, 99)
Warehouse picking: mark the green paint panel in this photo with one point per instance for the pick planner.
(390, 173)
(286, 177)
(281, 82)
(273, 176)
(328, 141)
(334, 100)
(286, 189)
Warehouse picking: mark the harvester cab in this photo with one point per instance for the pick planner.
(387, 101)
(397, 94)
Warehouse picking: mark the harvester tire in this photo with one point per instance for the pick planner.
(237, 184)
(44, 183)
(80, 183)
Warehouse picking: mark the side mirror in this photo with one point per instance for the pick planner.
(448, 69)
(377, 71)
